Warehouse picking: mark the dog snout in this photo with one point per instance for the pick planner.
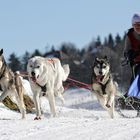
(100, 72)
(33, 73)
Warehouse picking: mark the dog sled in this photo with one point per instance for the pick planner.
(128, 105)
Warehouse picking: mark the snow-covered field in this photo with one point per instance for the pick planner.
(81, 118)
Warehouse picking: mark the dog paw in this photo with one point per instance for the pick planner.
(108, 106)
(37, 118)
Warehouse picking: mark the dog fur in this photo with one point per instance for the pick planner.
(11, 85)
(46, 76)
(103, 86)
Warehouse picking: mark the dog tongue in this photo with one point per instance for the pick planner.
(33, 79)
(99, 78)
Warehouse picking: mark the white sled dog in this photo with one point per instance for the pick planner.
(11, 85)
(103, 86)
(46, 76)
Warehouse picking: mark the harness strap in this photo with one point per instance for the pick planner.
(43, 88)
(103, 86)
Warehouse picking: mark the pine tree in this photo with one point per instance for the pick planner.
(25, 59)
(14, 62)
(36, 53)
(117, 40)
(110, 41)
(98, 42)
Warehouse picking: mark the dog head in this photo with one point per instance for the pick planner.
(101, 68)
(35, 68)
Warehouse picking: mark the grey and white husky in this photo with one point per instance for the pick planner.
(103, 86)
(11, 85)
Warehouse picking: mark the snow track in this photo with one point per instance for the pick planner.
(81, 118)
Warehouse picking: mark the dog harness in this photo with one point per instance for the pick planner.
(43, 88)
(103, 86)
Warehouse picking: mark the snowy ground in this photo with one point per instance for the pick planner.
(81, 118)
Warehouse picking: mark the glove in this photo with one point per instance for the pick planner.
(131, 55)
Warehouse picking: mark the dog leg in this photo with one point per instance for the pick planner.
(100, 98)
(59, 93)
(110, 105)
(110, 100)
(4, 95)
(111, 110)
(37, 106)
(62, 98)
(21, 106)
(52, 102)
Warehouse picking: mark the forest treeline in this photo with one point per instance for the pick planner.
(81, 60)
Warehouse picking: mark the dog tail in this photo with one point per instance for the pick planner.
(66, 71)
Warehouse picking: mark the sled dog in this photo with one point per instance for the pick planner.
(46, 76)
(103, 86)
(11, 85)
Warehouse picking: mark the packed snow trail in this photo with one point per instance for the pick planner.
(81, 118)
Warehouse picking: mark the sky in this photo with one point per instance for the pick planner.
(26, 25)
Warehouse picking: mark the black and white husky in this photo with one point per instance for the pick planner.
(103, 86)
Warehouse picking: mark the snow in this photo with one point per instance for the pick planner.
(81, 118)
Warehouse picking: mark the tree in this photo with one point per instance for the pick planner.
(14, 62)
(25, 59)
(63, 48)
(36, 53)
(117, 40)
(105, 42)
(98, 42)
(110, 41)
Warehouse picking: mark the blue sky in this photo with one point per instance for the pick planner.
(26, 25)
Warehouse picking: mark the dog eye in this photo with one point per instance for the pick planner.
(97, 66)
(38, 67)
(31, 66)
(104, 67)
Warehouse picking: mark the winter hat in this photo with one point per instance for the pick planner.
(135, 18)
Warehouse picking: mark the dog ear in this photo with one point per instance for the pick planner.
(1, 51)
(105, 57)
(96, 59)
